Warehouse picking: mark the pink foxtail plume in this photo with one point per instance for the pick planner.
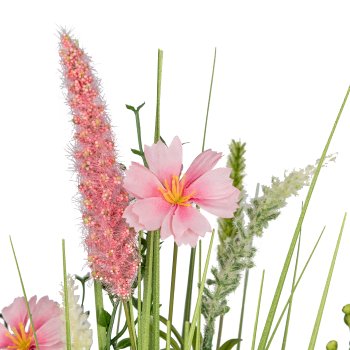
(112, 250)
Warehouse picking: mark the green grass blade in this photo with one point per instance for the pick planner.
(326, 289)
(197, 311)
(285, 335)
(277, 295)
(25, 295)
(65, 295)
(258, 310)
(294, 289)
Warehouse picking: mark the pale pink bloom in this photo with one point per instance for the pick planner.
(166, 200)
(47, 320)
(112, 249)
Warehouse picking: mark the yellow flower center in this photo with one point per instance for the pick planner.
(21, 340)
(174, 194)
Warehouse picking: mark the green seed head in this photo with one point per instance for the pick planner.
(332, 345)
(347, 320)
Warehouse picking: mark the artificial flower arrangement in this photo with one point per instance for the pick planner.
(128, 212)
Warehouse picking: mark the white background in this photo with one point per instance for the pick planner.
(282, 71)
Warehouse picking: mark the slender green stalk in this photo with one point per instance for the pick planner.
(131, 326)
(168, 334)
(139, 304)
(101, 330)
(221, 323)
(245, 287)
(118, 321)
(285, 336)
(294, 289)
(147, 294)
(110, 326)
(159, 89)
(172, 285)
(326, 289)
(188, 300)
(155, 292)
(198, 334)
(66, 301)
(187, 329)
(277, 295)
(258, 310)
(173, 330)
(197, 310)
(25, 295)
(209, 99)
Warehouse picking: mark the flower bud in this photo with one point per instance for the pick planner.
(346, 309)
(347, 320)
(332, 345)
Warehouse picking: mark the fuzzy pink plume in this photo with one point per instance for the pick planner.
(164, 199)
(112, 250)
(47, 320)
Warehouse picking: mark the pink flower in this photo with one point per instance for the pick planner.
(47, 320)
(165, 200)
(112, 250)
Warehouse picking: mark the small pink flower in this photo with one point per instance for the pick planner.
(47, 320)
(165, 200)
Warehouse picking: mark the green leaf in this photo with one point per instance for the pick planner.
(229, 344)
(124, 343)
(325, 291)
(137, 152)
(104, 318)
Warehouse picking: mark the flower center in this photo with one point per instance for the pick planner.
(21, 340)
(174, 194)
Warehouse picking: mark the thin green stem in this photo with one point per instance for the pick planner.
(221, 323)
(159, 89)
(131, 326)
(147, 294)
(209, 99)
(294, 289)
(25, 295)
(172, 285)
(101, 330)
(198, 334)
(278, 291)
(258, 310)
(285, 336)
(326, 289)
(66, 301)
(110, 326)
(118, 321)
(168, 334)
(155, 292)
(139, 304)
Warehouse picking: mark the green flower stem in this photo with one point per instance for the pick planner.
(25, 295)
(168, 334)
(197, 311)
(110, 326)
(139, 278)
(131, 326)
(326, 289)
(258, 310)
(278, 291)
(66, 301)
(221, 323)
(159, 89)
(172, 285)
(294, 289)
(147, 294)
(155, 292)
(285, 335)
(188, 299)
(101, 330)
(198, 333)
(173, 330)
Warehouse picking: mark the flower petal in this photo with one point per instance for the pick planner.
(167, 229)
(141, 182)
(132, 219)
(147, 213)
(4, 340)
(188, 220)
(202, 163)
(44, 310)
(16, 313)
(51, 334)
(215, 193)
(165, 161)
(189, 237)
